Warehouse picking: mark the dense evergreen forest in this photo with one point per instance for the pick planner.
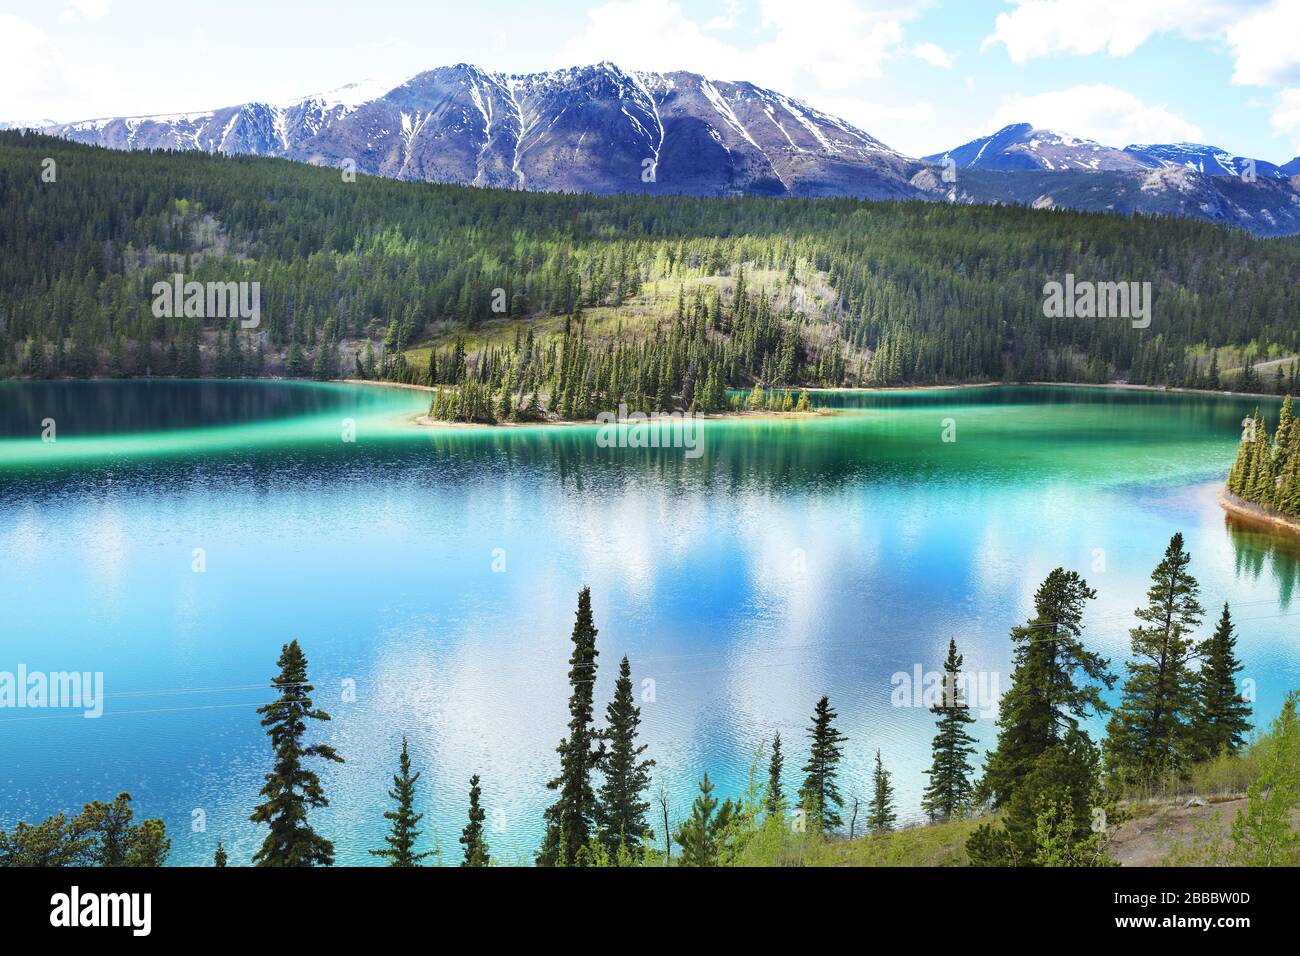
(660, 301)
(1048, 794)
(1267, 469)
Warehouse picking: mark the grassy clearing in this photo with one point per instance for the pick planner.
(937, 844)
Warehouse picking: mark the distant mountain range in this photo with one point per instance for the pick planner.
(1021, 147)
(602, 129)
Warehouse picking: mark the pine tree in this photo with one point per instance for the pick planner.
(472, 838)
(622, 809)
(1264, 834)
(1149, 734)
(701, 835)
(291, 789)
(880, 813)
(403, 834)
(1222, 718)
(572, 819)
(775, 798)
(819, 795)
(219, 858)
(950, 790)
(1054, 683)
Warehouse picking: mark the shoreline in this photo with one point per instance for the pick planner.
(424, 421)
(1253, 514)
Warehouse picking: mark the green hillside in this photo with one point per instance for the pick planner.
(791, 292)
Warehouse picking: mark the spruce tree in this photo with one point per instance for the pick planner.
(472, 838)
(819, 795)
(622, 807)
(572, 819)
(403, 834)
(1054, 683)
(880, 812)
(1222, 718)
(950, 790)
(219, 858)
(701, 836)
(775, 798)
(291, 790)
(1150, 732)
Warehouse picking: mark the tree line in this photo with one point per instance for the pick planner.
(1055, 792)
(1266, 471)
(852, 292)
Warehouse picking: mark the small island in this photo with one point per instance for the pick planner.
(1264, 483)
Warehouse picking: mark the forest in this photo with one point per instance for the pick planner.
(581, 301)
(1266, 471)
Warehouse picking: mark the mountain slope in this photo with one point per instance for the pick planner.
(602, 130)
(594, 129)
(1020, 147)
(1209, 160)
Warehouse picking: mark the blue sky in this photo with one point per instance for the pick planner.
(922, 76)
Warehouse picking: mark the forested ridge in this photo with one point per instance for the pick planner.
(838, 291)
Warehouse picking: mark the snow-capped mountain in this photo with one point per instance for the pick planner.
(597, 129)
(602, 129)
(1021, 147)
(26, 124)
(1204, 159)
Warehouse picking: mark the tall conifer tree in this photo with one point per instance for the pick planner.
(881, 815)
(572, 819)
(405, 821)
(775, 798)
(1054, 684)
(472, 837)
(291, 790)
(950, 790)
(627, 776)
(1222, 718)
(1150, 733)
(820, 795)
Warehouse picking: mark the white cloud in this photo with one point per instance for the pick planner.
(804, 46)
(933, 54)
(84, 10)
(1267, 45)
(728, 19)
(1037, 28)
(38, 80)
(1098, 112)
(1285, 118)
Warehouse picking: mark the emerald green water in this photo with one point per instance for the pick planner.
(794, 557)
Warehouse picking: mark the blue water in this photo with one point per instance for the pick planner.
(796, 557)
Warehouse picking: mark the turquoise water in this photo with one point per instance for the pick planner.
(437, 571)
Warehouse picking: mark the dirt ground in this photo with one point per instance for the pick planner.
(1152, 835)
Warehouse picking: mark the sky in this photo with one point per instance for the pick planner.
(922, 76)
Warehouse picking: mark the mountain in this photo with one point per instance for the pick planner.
(1204, 159)
(1021, 147)
(26, 124)
(1292, 168)
(1267, 207)
(601, 129)
(595, 129)
(1036, 167)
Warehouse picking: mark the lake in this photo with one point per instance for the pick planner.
(175, 534)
